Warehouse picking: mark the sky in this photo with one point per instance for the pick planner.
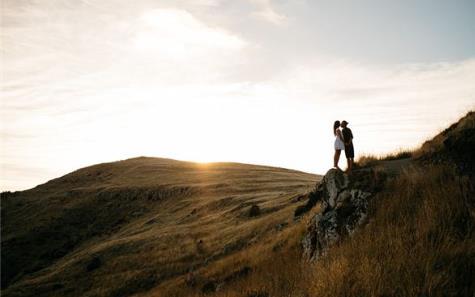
(252, 81)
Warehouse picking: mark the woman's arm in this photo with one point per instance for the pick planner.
(338, 133)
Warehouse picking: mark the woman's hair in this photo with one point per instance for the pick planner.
(335, 126)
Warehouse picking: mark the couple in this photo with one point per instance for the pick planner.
(343, 141)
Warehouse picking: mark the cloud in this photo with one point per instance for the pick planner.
(393, 106)
(345, 80)
(266, 12)
(54, 66)
(176, 34)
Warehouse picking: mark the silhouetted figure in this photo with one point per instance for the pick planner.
(339, 145)
(348, 140)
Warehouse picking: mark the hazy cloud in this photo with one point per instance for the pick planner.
(265, 11)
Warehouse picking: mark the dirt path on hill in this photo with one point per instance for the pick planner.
(394, 167)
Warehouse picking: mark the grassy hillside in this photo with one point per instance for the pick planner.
(120, 228)
(455, 145)
(156, 227)
(419, 239)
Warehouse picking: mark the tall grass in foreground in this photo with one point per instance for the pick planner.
(419, 241)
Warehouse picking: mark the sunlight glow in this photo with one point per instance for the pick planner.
(117, 80)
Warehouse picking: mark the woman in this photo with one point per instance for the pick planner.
(339, 144)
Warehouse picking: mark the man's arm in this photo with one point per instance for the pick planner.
(347, 136)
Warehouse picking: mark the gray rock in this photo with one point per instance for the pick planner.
(334, 182)
(344, 206)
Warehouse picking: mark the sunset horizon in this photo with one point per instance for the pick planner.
(258, 81)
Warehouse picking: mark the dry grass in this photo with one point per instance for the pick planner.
(418, 242)
(274, 263)
(368, 160)
(463, 130)
(144, 219)
(446, 141)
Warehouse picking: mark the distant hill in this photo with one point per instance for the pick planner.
(119, 228)
(455, 144)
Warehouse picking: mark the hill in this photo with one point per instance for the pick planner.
(119, 228)
(401, 225)
(455, 144)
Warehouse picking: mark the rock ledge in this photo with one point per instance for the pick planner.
(344, 206)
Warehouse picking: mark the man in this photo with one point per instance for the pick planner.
(348, 140)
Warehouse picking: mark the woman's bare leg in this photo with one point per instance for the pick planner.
(336, 158)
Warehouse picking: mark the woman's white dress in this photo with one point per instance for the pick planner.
(339, 145)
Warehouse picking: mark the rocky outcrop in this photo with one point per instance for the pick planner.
(344, 206)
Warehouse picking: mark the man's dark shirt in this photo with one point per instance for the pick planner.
(347, 135)
(347, 139)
